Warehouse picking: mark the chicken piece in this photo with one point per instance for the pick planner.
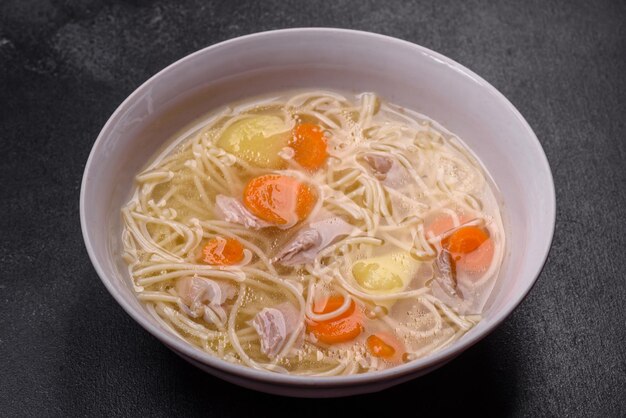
(389, 172)
(199, 294)
(379, 164)
(308, 242)
(447, 274)
(275, 326)
(232, 210)
(303, 241)
(196, 291)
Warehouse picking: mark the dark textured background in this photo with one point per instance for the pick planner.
(66, 347)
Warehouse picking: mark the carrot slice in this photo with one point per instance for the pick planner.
(385, 345)
(343, 328)
(471, 248)
(278, 199)
(465, 240)
(309, 146)
(379, 348)
(478, 260)
(222, 251)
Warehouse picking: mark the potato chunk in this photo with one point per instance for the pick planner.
(257, 140)
(388, 273)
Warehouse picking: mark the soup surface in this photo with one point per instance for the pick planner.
(315, 233)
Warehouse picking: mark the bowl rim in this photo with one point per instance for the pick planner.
(182, 347)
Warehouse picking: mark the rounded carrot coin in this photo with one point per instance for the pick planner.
(343, 328)
(465, 240)
(222, 251)
(309, 146)
(478, 260)
(279, 199)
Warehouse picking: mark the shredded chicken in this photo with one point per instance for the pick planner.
(204, 297)
(379, 164)
(304, 240)
(308, 242)
(387, 171)
(274, 326)
(447, 274)
(232, 210)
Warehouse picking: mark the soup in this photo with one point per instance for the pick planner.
(315, 233)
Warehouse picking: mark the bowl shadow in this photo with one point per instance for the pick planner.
(116, 368)
(482, 379)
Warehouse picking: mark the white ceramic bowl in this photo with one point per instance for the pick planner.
(403, 73)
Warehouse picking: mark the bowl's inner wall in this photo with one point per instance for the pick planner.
(397, 71)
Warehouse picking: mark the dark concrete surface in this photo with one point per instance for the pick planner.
(67, 348)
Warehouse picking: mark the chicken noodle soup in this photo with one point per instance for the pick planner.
(315, 233)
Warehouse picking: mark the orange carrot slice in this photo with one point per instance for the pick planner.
(309, 146)
(278, 199)
(465, 240)
(385, 345)
(379, 348)
(222, 251)
(470, 246)
(343, 328)
(478, 260)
